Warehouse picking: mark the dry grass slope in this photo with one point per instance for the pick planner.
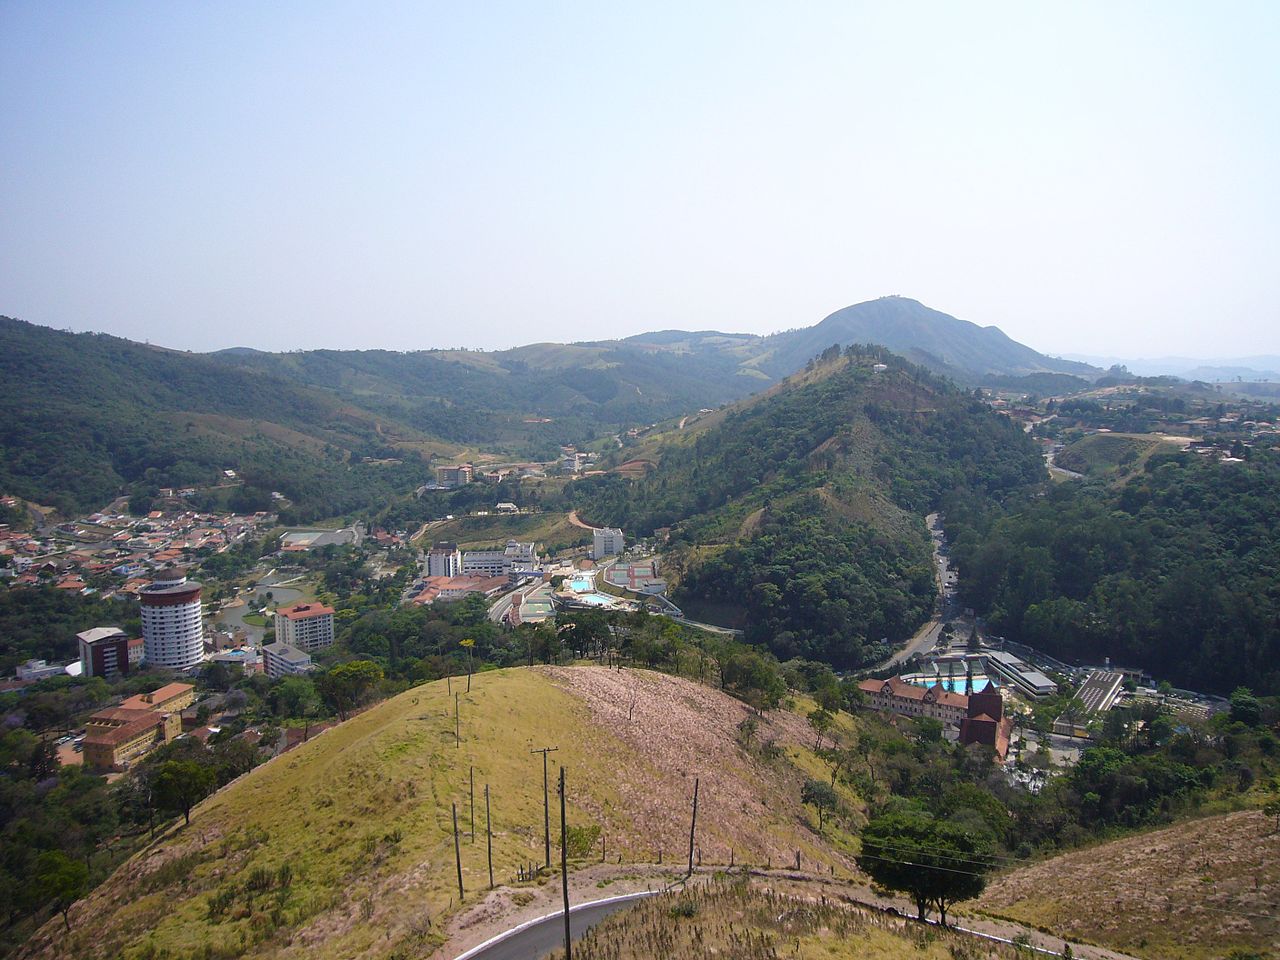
(734, 918)
(1192, 891)
(343, 848)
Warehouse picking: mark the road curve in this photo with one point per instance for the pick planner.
(536, 938)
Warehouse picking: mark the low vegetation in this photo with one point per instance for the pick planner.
(733, 917)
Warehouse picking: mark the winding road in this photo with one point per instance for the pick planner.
(539, 937)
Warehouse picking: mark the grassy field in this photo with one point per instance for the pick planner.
(343, 848)
(547, 529)
(1111, 454)
(746, 921)
(1193, 891)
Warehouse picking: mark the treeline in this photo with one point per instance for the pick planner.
(85, 417)
(1147, 769)
(42, 623)
(1175, 571)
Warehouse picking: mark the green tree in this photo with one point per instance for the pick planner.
(181, 784)
(345, 685)
(820, 722)
(934, 862)
(1245, 707)
(61, 880)
(821, 795)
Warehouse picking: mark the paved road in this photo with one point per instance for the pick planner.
(926, 637)
(542, 936)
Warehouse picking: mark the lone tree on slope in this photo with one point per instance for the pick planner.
(935, 862)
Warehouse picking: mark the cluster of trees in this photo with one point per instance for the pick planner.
(941, 816)
(63, 830)
(42, 622)
(1174, 571)
(118, 420)
(814, 586)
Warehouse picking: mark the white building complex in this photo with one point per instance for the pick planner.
(307, 626)
(173, 621)
(607, 542)
(444, 560)
(515, 561)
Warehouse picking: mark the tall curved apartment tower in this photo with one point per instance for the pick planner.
(172, 621)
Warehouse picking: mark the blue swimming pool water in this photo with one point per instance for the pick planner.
(953, 684)
(594, 599)
(580, 585)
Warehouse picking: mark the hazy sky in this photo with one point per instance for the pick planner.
(1090, 177)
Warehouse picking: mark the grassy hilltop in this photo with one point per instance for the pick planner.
(343, 848)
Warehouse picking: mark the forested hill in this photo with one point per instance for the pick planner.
(799, 513)
(86, 417)
(1175, 571)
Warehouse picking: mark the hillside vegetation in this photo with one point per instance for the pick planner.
(83, 417)
(816, 492)
(1175, 570)
(343, 848)
(1110, 454)
(88, 415)
(734, 918)
(1194, 891)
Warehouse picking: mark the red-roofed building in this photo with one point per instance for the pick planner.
(986, 723)
(306, 626)
(896, 695)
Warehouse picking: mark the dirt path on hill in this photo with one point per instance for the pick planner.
(575, 521)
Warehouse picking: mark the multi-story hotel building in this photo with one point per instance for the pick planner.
(173, 621)
(307, 626)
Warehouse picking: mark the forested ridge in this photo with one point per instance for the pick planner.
(84, 417)
(1176, 571)
(816, 492)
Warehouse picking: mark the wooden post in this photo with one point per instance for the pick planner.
(457, 723)
(488, 833)
(546, 803)
(693, 825)
(473, 803)
(457, 850)
(564, 871)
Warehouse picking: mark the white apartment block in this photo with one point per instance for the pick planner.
(607, 542)
(282, 660)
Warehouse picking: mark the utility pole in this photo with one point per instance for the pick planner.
(564, 871)
(546, 802)
(694, 824)
(457, 850)
(488, 833)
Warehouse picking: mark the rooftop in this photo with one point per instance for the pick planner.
(303, 611)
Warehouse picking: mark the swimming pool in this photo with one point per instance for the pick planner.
(952, 684)
(581, 585)
(595, 599)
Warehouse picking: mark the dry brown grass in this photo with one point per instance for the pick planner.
(1193, 891)
(361, 815)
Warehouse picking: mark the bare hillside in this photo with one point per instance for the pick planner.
(1193, 891)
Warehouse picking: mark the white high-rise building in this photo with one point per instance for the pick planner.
(607, 542)
(173, 621)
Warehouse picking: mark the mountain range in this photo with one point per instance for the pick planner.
(89, 416)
